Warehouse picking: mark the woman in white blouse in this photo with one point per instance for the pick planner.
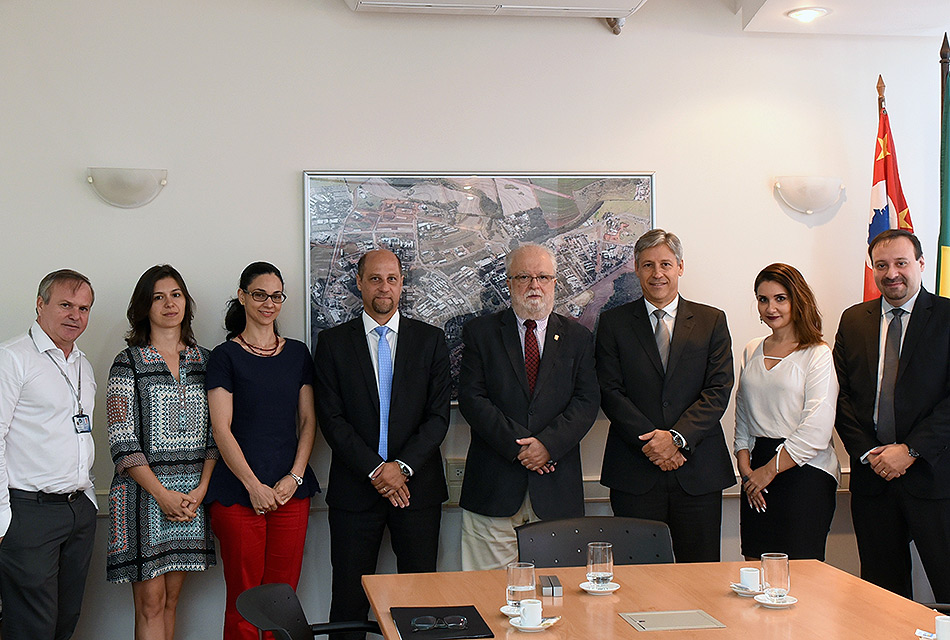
(785, 414)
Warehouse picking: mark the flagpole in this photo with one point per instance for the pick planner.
(880, 95)
(944, 67)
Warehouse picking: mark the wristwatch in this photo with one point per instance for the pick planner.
(406, 471)
(296, 478)
(913, 453)
(678, 439)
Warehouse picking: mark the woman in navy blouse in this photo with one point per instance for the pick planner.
(260, 395)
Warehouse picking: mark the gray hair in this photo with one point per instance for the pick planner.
(64, 276)
(654, 238)
(510, 258)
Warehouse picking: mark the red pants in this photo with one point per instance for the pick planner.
(257, 550)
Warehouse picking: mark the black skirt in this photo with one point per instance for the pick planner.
(800, 504)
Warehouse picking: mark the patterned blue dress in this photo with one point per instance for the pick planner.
(159, 421)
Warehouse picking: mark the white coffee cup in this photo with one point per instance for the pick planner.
(531, 612)
(942, 627)
(749, 578)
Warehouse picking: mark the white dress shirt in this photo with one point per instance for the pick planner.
(669, 319)
(795, 400)
(540, 332)
(39, 447)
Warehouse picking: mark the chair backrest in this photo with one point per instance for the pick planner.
(275, 608)
(563, 543)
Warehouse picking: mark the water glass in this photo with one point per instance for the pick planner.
(775, 578)
(520, 583)
(600, 564)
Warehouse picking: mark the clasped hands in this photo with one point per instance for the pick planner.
(390, 482)
(265, 499)
(178, 506)
(661, 451)
(890, 461)
(534, 456)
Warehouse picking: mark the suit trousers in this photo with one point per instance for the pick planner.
(44, 559)
(255, 550)
(885, 524)
(355, 539)
(695, 522)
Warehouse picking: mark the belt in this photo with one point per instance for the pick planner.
(42, 496)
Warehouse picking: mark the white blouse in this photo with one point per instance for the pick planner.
(795, 400)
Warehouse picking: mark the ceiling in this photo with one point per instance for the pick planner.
(850, 17)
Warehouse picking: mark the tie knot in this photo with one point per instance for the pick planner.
(382, 331)
(898, 312)
(530, 324)
(660, 314)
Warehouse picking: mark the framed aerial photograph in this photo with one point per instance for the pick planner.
(452, 231)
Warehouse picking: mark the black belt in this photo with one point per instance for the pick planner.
(42, 496)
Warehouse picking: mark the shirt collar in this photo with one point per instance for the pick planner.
(670, 308)
(540, 325)
(370, 325)
(907, 306)
(44, 343)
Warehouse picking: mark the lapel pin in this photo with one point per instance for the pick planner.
(556, 336)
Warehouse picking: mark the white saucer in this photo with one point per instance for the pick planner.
(786, 602)
(599, 591)
(545, 623)
(742, 591)
(510, 611)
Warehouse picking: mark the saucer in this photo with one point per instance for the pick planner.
(599, 591)
(545, 623)
(510, 611)
(786, 602)
(743, 591)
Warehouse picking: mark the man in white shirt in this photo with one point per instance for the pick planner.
(47, 501)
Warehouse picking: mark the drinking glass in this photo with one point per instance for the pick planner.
(600, 564)
(520, 583)
(775, 578)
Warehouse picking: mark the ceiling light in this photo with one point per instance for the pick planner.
(807, 14)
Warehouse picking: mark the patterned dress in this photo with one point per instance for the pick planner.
(159, 421)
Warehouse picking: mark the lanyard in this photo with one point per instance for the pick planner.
(76, 392)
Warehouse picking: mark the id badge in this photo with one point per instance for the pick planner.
(83, 423)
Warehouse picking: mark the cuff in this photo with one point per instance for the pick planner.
(373, 472)
(403, 464)
(136, 459)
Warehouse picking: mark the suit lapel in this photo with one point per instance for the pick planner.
(405, 345)
(512, 342)
(643, 330)
(682, 328)
(872, 338)
(361, 349)
(915, 328)
(551, 352)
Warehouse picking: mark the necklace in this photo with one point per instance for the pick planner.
(261, 351)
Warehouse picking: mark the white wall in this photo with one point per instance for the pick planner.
(236, 98)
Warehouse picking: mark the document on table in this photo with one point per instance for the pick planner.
(671, 620)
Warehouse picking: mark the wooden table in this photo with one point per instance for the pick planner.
(832, 604)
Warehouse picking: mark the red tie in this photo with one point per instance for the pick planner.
(532, 356)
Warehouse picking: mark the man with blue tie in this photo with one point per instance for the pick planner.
(382, 389)
(892, 356)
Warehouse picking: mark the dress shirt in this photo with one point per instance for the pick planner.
(794, 400)
(372, 341)
(669, 319)
(886, 318)
(39, 447)
(540, 331)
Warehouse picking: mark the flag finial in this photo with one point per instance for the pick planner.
(880, 94)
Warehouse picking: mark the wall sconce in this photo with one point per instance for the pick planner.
(126, 188)
(808, 194)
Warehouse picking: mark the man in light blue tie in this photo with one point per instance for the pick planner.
(382, 389)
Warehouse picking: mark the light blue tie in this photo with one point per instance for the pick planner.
(385, 364)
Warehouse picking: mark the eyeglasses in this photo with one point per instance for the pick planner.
(259, 296)
(523, 278)
(424, 623)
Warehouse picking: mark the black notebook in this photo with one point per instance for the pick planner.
(477, 627)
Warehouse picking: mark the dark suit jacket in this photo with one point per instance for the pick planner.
(690, 398)
(494, 399)
(348, 409)
(921, 395)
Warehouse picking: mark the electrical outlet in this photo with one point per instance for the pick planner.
(454, 469)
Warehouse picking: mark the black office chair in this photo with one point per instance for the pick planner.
(563, 543)
(275, 608)
(939, 607)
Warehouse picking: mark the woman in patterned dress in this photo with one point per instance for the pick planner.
(161, 444)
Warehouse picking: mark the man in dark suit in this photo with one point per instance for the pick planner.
(665, 371)
(893, 361)
(528, 390)
(382, 389)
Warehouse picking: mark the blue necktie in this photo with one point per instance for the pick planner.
(385, 367)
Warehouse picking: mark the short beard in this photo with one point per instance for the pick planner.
(538, 311)
(378, 306)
